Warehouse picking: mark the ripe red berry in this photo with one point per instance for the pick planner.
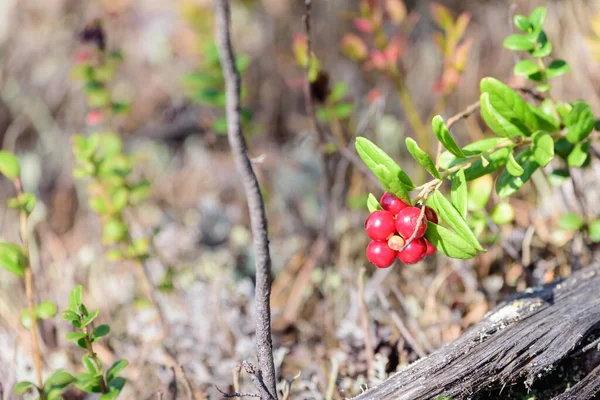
(380, 254)
(94, 117)
(430, 248)
(406, 222)
(391, 203)
(431, 215)
(380, 225)
(414, 252)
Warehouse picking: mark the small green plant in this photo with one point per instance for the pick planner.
(95, 379)
(529, 136)
(15, 258)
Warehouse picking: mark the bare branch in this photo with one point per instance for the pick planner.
(236, 394)
(256, 207)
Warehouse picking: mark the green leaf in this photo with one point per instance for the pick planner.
(448, 242)
(23, 387)
(480, 191)
(100, 331)
(458, 193)
(114, 231)
(526, 68)
(12, 258)
(448, 159)
(45, 310)
(570, 222)
(512, 166)
(75, 297)
(557, 68)
(89, 364)
(522, 22)
(594, 231)
(392, 177)
(443, 135)
(139, 191)
(543, 148)
(453, 218)
(338, 92)
(69, 315)
(26, 319)
(519, 43)
(90, 318)
(558, 176)
(579, 155)
(115, 369)
(117, 383)
(421, 157)
(9, 165)
(495, 160)
(505, 112)
(343, 110)
(579, 122)
(546, 121)
(544, 46)
(537, 17)
(75, 336)
(112, 395)
(373, 204)
(24, 202)
(58, 380)
(503, 214)
(508, 184)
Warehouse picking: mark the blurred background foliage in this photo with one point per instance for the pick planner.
(169, 83)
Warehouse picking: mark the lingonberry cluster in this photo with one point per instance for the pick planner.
(392, 227)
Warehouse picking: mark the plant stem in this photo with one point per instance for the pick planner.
(256, 207)
(94, 357)
(28, 275)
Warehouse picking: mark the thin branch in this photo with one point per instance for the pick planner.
(463, 114)
(256, 207)
(236, 394)
(28, 274)
(257, 380)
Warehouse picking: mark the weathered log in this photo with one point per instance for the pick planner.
(542, 341)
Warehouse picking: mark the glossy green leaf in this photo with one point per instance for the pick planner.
(579, 122)
(495, 160)
(69, 315)
(90, 318)
(45, 310)
(444, 208)
(23, 387)
(390, 175)
(75, 336)
(9, 165)
(59, 379)
(12, 258)
(594, 231)
(544, 47)
(459, 193)
(506, 110)
(421, 157)
(537, 17)
(526, 68)
(557, 68)
(443, 135)
(518, 42)
(546, 121)
(570, 222)
(448, 242)
(480, 191)
(115, 369)
(579, 155)
(448, 159)
(75, 297)
(542, 147)
(508, 184)
(100, 331)
(373, 204)
(512, 166)
(522, 23)
(503, 214)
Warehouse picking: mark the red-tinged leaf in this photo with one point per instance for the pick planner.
(299, 45)
(462, 54)
(363, 25)
(378, 59)
(441, 16)
(394, 50)
(353, 47)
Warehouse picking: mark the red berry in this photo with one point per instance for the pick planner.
(391, 203)
(406, 222)
(380, 254)
(380, 225)
(414, 252)
(430, 248)
(431, 215)
(94, 117)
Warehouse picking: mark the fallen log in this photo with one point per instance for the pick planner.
(542, 342)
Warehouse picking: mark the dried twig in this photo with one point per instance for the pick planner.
(256, 207)
(236, 394)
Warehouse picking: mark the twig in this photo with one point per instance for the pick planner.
(235, 372)
(236, 394)
(463, 114)
(400, 325)
(287, 388)
(256, 207)
(323, 140)
(28, 274)
(257, 380)
(94, 357)
(335, 368)
(364, 322)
